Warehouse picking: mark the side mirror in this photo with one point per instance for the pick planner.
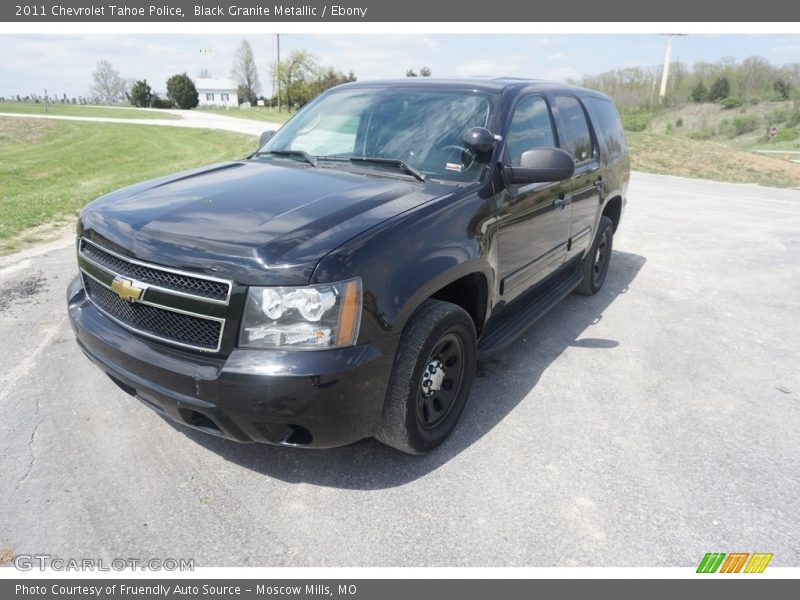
(479, 139)
(265, 137)
(541, 165)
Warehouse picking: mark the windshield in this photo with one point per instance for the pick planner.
(422, 128)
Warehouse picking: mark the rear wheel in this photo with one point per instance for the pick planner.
(431, 379)
(595, 263)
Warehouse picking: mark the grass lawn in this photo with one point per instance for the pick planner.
(49, 169)
(79, 110)
(255, 113)
(679, 155)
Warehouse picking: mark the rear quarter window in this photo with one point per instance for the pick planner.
(609, 125)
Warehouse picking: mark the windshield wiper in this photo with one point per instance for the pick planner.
(392, 162)
(312, 160)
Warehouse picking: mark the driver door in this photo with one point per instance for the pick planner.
(533, 219)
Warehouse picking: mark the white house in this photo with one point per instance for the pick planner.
(217, 92)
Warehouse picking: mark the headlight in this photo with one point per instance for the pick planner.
(314, 317)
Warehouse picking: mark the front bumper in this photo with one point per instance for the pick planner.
(318, 399)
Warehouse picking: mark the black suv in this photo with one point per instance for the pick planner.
(340, 282)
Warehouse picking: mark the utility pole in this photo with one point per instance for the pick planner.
(278, 70)
(665, 70)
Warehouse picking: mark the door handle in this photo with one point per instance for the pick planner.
(562, 201)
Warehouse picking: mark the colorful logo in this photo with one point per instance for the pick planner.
(733, 562)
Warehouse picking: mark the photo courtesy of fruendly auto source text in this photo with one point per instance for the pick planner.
(373, 300)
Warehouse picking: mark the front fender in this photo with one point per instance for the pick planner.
(408, 259)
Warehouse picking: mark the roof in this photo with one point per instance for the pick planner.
(208, 83)
(485, 84)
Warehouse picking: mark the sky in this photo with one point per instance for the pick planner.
(64, 63)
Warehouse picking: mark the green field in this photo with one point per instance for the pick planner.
(80, 110)
(706, 159)
(254, 113)
(708, 141)
(49, 169)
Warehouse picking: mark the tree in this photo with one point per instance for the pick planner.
(782, 89)
(245, 73)
(423, 72)
(141, 94)
(302, 78)
(204, 74)
(108, 87)
(295, 75)
(699, 93)
(721, 88)
(181, 90)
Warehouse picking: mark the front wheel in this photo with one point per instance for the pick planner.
(595, 263)
(431, 378)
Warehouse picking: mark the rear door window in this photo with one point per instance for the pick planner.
(573, 128)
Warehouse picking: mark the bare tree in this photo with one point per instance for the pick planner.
(204, 74)
(245, 72)
(108, 86)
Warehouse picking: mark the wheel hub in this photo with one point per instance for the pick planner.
(432, 378)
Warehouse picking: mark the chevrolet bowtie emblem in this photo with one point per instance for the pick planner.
(125, 289)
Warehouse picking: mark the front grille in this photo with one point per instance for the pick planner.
(156, 322)
(196, 286)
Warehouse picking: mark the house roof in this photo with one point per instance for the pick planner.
(207, 83)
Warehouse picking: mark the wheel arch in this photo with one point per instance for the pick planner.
(613, 210)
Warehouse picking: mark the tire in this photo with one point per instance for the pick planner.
(437, 346)
(595, 263)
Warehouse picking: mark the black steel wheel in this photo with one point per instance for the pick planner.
(598, 258)
(441, 381)
(431, 379)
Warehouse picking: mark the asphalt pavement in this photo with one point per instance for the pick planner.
(644, 426)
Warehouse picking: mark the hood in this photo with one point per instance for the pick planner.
(254, 221)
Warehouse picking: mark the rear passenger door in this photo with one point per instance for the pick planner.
(576, 137)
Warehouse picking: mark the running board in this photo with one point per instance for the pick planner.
(517, 319)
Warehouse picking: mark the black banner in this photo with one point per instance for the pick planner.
(406, 11)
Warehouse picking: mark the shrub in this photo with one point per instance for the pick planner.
(156, 102)
(745, 124)
(636, 121)
(181, 90)
(721, 88)
(141, 94)
(699, 93)
(738, 126)
(787, 135)
(731, 102)
(778, 116)
(782, 89)
(679, 122)
(702, 134)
